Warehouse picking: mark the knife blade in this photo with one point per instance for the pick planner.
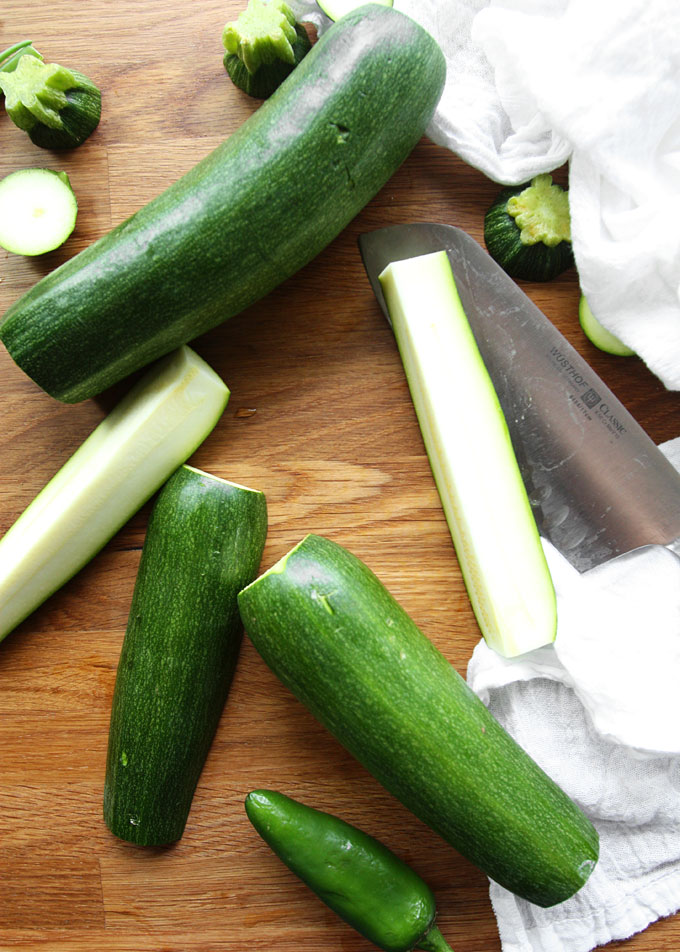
(598, 485)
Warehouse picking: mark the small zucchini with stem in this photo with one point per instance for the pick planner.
(357, 876)
(263, 46)
(38, 211)
(527, 230)
(58, 107)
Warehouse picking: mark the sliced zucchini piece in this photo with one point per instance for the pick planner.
(474, 465)
(599, 335)
(263, 46)
(38, 211)
(203, 544)
(527, 230)
(153, 430)
(338, 8)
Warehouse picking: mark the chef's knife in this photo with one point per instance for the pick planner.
(598, 485)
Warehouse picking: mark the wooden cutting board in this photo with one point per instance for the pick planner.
(320, 419)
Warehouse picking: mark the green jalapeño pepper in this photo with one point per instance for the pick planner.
(354, 874)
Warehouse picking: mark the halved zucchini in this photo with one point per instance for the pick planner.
(474, 465)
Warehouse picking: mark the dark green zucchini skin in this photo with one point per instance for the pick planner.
(247, 217)
(267, 79)
(339, 641)
(204, 542)
(80, 117)
(536, 262)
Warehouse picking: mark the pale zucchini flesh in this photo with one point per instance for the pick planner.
(472, 458)
(338, 8)
(598, 335)
(141, 442)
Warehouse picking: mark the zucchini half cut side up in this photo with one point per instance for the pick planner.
(155, 427)
(472, 458)
(527, 230)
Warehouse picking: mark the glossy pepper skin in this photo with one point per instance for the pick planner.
(353, 873)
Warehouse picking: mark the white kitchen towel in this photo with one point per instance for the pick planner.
(534, 83)
(600, 711)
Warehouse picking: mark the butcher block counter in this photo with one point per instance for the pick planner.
(320, 419)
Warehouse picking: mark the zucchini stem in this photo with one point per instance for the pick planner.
(433, 941)
(11, 56)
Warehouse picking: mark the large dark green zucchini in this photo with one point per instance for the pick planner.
(335, 636)
(245, 218)
(203, 544)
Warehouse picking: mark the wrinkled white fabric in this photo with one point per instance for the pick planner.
(534, 83)
(600, 711)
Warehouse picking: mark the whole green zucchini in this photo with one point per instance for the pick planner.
(203, 544)
(334, 635)
(247, 217)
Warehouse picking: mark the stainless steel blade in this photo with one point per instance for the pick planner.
(598, 484)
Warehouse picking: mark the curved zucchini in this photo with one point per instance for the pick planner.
(204, 543)
(527, 230)
(244, 219)
(472, 458)
(337, 639)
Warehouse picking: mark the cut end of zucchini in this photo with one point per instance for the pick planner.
(599, 335)
(541, 212)
(338, 8)
(472, 458)
(527, 230)
(38, 211)
(263, 33)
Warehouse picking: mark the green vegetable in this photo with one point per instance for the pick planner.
(527, 230)
(38, 211)
(11, 56)
(474, 465)
(263, 46)
(357, 876)
(338, 8)
(247, 217)
(57, 107)
(154, 428)
(204, 543)
(599, 335)
(337, 639)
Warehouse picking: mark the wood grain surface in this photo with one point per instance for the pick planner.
(320, 419)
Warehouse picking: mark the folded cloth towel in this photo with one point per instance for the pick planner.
(534, 83)
(600, 711)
